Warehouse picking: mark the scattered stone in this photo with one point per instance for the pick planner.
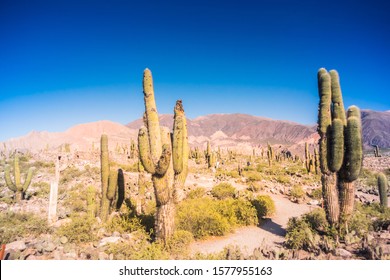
(343, 253)
(49, 247)
(313, 202)
(63, 239)
(116, 234)
(62, 222)
(17, 245)
(385, 235)
(103, 256)
(110, 239)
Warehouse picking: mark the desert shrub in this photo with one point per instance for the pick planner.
(255, 187)
(223, 190)
(207, 217)
(42, 189)
(317, 219)
(124, 224)
(283, 178)
(79, 230)
(316, 193)
(199, 192)
(14, 226)
(178, 244)
(41, 164)
(297, 192)
(264, 206)
(252, 176)
(199, 217)
(222, 173)
(70, 173)
(76, 199)
(299, 234)
(139, 247)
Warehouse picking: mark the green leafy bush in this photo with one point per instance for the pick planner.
(252, 176)
(223, 190)
(42, 189)
(299, 234)
(264, 206)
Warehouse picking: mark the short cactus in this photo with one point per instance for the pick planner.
(383, 187)
(340, 151)
(17, 187)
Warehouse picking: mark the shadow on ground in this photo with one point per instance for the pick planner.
(272, 227)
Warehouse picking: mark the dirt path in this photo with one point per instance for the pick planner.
(271, 231)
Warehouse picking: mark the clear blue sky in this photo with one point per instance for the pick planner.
(69, 62)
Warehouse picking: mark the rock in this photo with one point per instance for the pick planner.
(16, 246)
(110, 239)
(57, 255)
(62, 222)
(343, 253)
(116, 234)
(49, 247)
(28, 252)
(31, 257)
(103, 256)
(385, 235)
(63, 239)
(72, 255)
(12, 254)
(313, 202)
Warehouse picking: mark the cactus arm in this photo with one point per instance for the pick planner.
(178, 137)
(152, 118)
(8, 179)
(144, 150)
(353, 149)
(164, 161)
(27, 181)
(112, 185)
(337, 99)
(336, 145)
(17, 173)
(121, 189)
(324, 116)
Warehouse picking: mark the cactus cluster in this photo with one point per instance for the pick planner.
(311, 160)
(383, 188)
(16, 186)
(340, 148)
(211, 157)
(113, 187)
(163, 156)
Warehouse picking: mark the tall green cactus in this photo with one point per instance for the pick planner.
(112, 183)
(340, 149)
(17, 187)
(155, 147)
(383, 187)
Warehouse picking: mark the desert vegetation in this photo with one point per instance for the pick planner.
(158, 197)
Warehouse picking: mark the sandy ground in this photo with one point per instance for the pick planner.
(271, 232)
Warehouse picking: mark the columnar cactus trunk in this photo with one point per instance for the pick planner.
(17, 187)
(382, 186)
(155, 147)
(112, 182)
(340, 151)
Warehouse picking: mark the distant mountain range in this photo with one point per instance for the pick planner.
(225, 130)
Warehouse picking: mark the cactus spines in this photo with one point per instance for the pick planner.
(163, 156)
(382, 186)
(17, 186)
(340, 148)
